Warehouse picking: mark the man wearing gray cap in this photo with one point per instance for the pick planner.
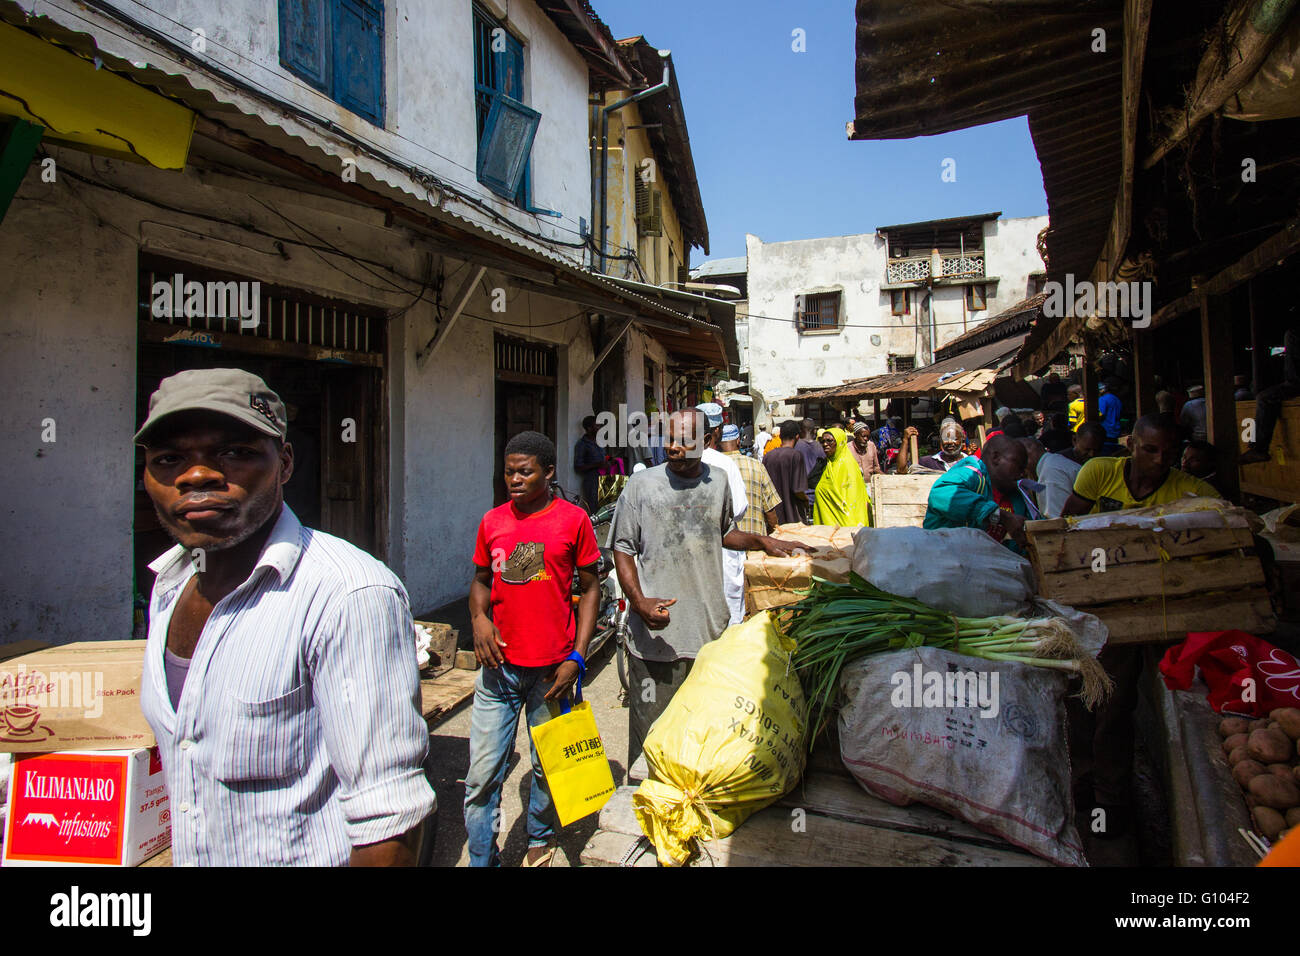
(280, 675)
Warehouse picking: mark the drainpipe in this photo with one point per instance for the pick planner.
(604, 147)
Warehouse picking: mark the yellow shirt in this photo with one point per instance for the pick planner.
(1101, 480)
(1076, 414)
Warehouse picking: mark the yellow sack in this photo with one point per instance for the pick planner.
(574, 762)
(731, 741)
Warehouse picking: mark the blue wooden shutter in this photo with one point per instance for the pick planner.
(305, 40)
(507, 141)
(359, 57)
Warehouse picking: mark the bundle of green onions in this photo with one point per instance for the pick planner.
(839, 623)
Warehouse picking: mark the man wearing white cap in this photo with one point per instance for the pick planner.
(280, 676)
(733, 562)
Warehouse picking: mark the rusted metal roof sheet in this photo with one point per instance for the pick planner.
(969, 372)
(606, 65)
(933, 66)
(1006, 323)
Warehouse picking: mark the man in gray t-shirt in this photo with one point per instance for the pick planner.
(670, 526)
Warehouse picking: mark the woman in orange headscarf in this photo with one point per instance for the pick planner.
(841, 497)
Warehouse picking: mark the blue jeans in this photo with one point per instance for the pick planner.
(499, 694)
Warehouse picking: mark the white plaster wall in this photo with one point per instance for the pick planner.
(67, 321)
(448, 425)
(781, 359)
(429, 117)
(68, 316)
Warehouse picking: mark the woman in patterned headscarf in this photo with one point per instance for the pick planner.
(841, 497)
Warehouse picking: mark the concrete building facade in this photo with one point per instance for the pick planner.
(822, 311)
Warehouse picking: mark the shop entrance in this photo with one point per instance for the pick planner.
(525, 399)
(333, 396)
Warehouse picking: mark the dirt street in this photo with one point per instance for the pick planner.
(449, 745)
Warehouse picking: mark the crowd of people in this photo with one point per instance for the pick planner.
(280, 680)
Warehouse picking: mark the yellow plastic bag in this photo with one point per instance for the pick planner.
(574, 762)
(732, 741)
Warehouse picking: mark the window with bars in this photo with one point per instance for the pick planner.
(902, 363)
(819, 313)
(204, 304)
(506, 127)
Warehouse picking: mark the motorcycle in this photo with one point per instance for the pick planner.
(612, 612)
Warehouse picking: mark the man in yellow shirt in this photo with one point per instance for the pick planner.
(1075, 407)
(1101, 740)
(1148, 478)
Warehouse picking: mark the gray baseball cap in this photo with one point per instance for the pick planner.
(233, 392)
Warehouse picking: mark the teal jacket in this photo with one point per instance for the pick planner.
(962, 497)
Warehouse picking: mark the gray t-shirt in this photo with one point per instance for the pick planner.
(1057, 472)
(674, 526)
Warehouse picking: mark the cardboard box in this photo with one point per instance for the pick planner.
(86, 808)
(83, 696)
(772, 582)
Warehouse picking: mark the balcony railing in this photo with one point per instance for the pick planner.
(917, 268)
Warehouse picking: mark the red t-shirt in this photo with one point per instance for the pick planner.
(533, 557)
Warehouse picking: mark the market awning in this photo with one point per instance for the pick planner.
(970, 373)
(79, 104)
(704, 330)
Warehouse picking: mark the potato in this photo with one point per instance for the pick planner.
(1238, 755)
(1235, 741)
(1269, 823)
(1230, 726)
(1289, 719)
(1273, 791)
(1245, 769)
(1269, 746)
(1293, 817)
(1260, 724)
(1282, 770)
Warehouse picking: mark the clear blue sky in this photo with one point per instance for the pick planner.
(767, 128)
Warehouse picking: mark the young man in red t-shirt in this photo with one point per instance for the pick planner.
(529, 641)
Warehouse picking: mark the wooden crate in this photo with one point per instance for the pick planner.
(1278, 478)
(1150, 584)
(899, 501)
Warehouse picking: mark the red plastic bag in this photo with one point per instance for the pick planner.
(1228, 661)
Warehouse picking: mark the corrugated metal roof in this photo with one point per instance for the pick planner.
(1006, 323)
(933, 66)
(735, 265)
(968, 372)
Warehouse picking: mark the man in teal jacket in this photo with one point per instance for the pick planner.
(982, 493)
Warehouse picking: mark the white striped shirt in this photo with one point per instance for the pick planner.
(298, 734)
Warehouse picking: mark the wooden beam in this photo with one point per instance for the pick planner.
(1143, 372)
(1272, 251)
(458, 303)
(1137, 22)
(1220, 405)
(1252, 29)
(609, 49)
(609, 347)
(1089, 379)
